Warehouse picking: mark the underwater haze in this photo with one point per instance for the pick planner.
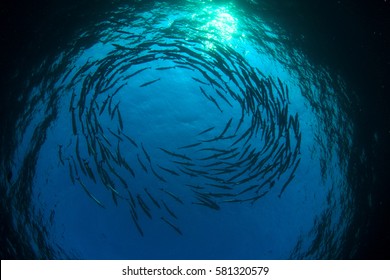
(181, 130)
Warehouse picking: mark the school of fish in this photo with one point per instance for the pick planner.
(239, 162)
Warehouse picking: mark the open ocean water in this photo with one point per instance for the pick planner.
(193, 130)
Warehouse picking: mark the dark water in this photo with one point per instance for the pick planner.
(193, 130)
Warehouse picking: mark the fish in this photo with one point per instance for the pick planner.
(296, 165)
(135, 73)
(235, 200)
(224, 170)
(215, 102)
(81, 164)
(142, 165)
(89, 193)
(279, 153)
(245, 151)
(90, 146)
(127, 166)
(134, 217)
(204, 93)
(205, 75)
(145, 58)
(168, 170)
(112, 114)
(81, 102)
(117, 175)
(172, 195)
(254, 199)
(287, 95)
(157, 175)
(130, 139)
(191, 145)
(206, 130)
(132, 200)
(243, 135)
(175, 155)
(113, 189)
(60, 154)
(114, 198)
(226, 128)
(104, 105)
(74, 127)
(286, 184)
(188, 173)
(115, 134)
(74, 165)
(199, 81)
(195, 187)
(118, 89)
(165, 68)
(97, 125)
(120, 47)
(72, 100)
(152, 199)
(213, 149)
(109, 106)
(71, 173)
(200, 172)
(231, 156)
(172, 225)
(299, 139)
(184, 67)
(120, 119)
(219, 186)
(103, 174)
(223, 97)
(67, 74)
(105, 139)
(288, 143)
(169, 210)
(281, 88)
(205, 201)
(89, 170)
(144, 207)
(211, 157)
(149, 83)
(183, 163)
(146, 154)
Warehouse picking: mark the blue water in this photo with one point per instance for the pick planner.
(290, 199)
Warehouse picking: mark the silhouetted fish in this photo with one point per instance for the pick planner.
(172, 225)
(149, 83)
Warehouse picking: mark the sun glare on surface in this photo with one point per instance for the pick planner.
(219, 24)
